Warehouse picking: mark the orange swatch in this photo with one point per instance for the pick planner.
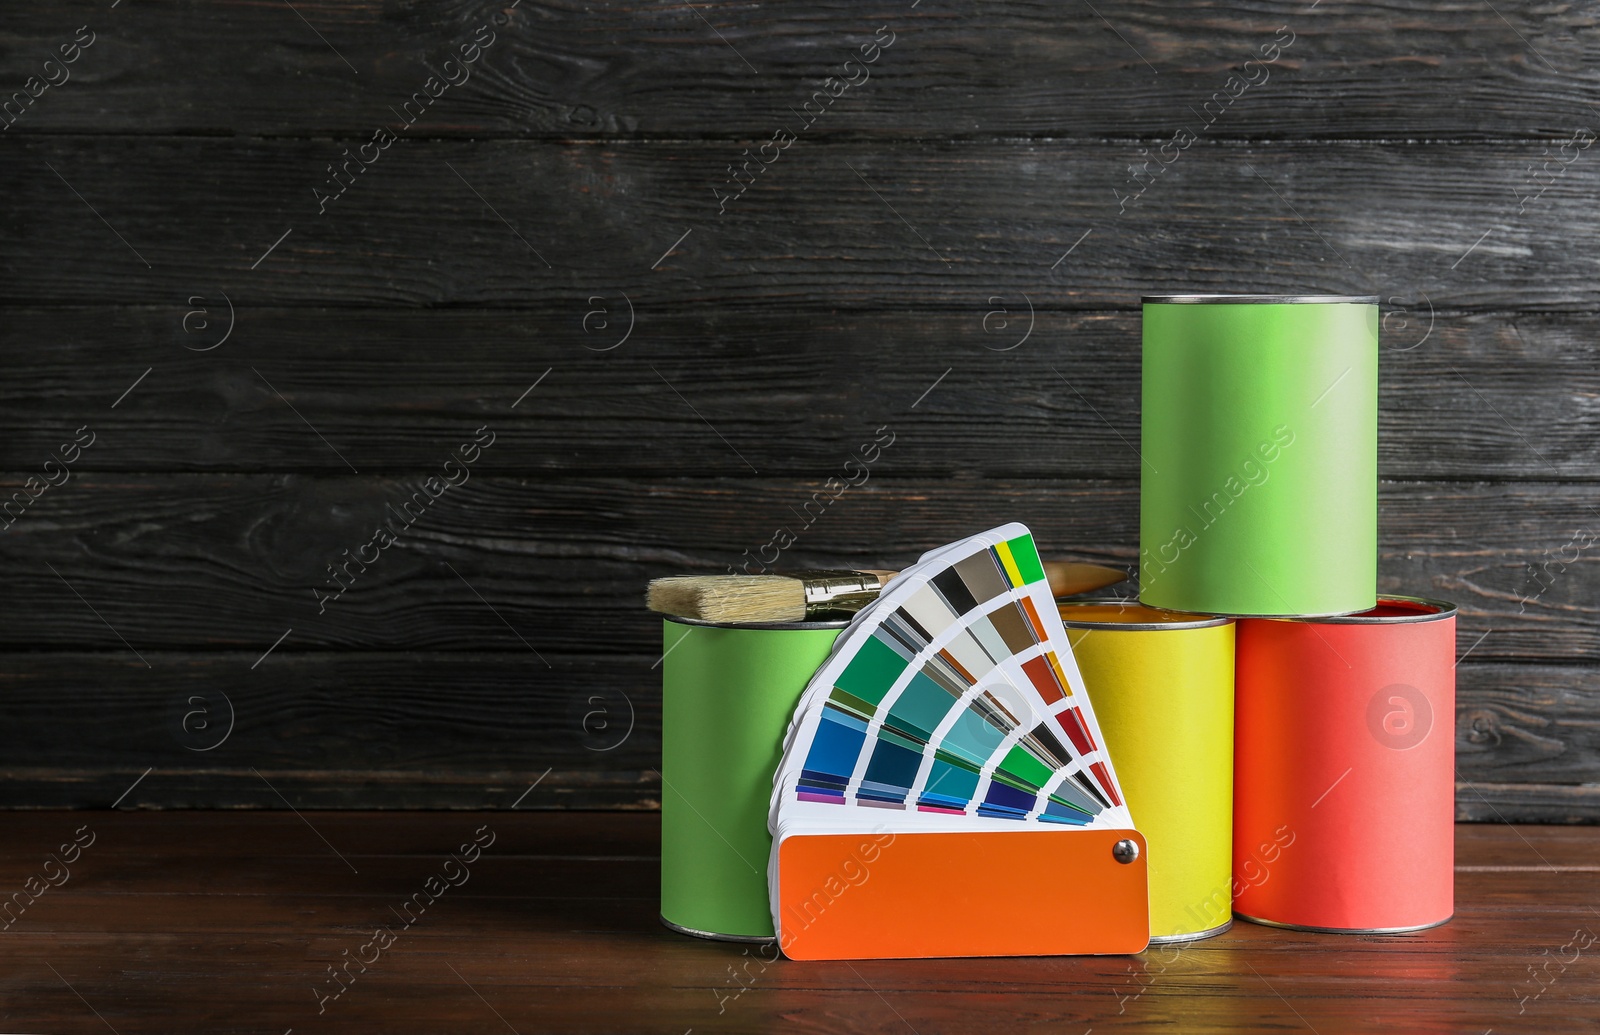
(927, 894)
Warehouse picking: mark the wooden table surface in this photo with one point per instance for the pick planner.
(229, 921)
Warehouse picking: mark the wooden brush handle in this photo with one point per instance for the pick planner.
(1069, 577)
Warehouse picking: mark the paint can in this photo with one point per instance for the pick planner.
(1162, 688)
(1259, 436)
(1344, 803)
(727, 694)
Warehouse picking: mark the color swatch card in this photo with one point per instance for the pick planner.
(944, 748)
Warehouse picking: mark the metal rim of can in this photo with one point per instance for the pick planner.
(830, 623)
(1236, 616)
(715, 937)
(1178, 939)
(1343, 930)
(1442, 609)
(1445, 610)
(1259, 299)
(1199, 621)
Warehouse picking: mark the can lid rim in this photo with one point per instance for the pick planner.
(1259, 299)
(830, 623)
(1197, 622)
(1445, 610)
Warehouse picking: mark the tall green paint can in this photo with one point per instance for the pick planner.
(727, 695)
(1259, 454)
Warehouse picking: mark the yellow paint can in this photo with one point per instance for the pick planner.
(1162, 687)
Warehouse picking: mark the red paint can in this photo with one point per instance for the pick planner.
(1344, 769)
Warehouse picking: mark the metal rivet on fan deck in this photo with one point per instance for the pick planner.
(1125, 851)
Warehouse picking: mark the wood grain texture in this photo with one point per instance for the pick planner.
(213, 561)
(567, 70)
(888, 224)
(332, 730)
(227, 922)
(270, 361)
(1529, 802)
(474, 730)
(1462, 396)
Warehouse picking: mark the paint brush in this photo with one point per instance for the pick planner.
(766, 598)
(800, 595)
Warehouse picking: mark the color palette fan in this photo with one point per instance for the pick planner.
(944, 750)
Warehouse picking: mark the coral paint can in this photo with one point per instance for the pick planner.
(727, 695)
(1260, 436)
(1162, 688)
(1344, 768)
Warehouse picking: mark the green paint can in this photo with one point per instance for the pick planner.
(1259, 454)
(727, 695)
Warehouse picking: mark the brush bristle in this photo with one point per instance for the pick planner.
(730, 598)
(673, 596)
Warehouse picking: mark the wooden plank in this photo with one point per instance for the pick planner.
(1486, 396)
(565, 70)
(563, 951)
(561, 916)
(559, 566)
(469, 730)
(417, 998)
(550, 917)
(939, 225)
(346, 729)
(1523, 734)
(396, 836)
(1528, 802)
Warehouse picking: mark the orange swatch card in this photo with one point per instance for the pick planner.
(1021, 892)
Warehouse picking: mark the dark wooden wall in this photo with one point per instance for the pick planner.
(881, 272)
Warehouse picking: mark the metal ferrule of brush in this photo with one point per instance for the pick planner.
(832, 591)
